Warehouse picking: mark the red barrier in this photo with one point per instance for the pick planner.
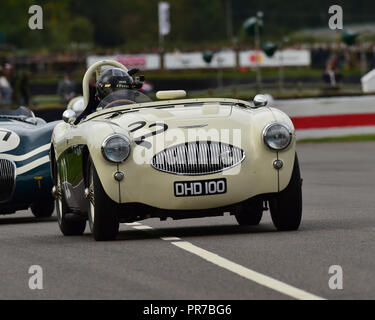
(334, 121)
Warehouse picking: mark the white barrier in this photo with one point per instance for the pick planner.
(288, 58)
(194, 60)
(368, 82)
(140, 61)
(222, 59)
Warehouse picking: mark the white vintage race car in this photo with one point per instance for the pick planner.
(177, 158)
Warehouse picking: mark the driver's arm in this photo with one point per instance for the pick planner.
(88, 110)
(91, 106)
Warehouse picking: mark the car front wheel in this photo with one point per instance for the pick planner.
(70, 223)
(103, 217)
(250, 213)
(286, 206)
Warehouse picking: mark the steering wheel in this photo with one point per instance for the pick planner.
(110, 105)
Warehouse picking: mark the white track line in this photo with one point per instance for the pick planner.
(170, 239)
(247, 273)
(142, 228)
(242, 271)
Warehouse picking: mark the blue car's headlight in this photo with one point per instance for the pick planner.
(277, 136)
(116, 148)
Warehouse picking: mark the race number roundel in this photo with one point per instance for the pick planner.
(9, 140)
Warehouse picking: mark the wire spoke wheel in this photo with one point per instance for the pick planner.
(70, 223)
(59, 205)
(103, 213)
(91, 198)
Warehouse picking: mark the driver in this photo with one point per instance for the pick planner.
(111, 80)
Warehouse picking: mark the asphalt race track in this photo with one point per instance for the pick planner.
(214, 258)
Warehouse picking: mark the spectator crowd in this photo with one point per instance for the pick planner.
(14, 86)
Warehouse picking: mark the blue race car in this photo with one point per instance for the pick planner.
(25, 175)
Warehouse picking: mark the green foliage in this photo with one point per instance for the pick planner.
(269, 48)
(133, 24)
(14, 14)
(208, 56)
(349, 37)
(81, 30)
(354, 138)
(251, 24)
(60, 26)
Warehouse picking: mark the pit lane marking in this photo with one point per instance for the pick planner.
(233, 267)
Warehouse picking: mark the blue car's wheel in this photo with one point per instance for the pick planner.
(43, 208)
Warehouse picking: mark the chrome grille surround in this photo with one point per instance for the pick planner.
(8, 174)
(198, 158)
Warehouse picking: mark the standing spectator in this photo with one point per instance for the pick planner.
(25, 88)
(66, 89)
(373, 58)
(19, 82)
(332, 74)
(5, 89)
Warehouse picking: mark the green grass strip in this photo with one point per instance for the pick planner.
(353, 138)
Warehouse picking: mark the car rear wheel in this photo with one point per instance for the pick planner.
(250, 213)
(103, 216)
(286, 207)
(43, 208)
(70, 223)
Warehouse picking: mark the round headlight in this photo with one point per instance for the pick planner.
(277, 136)
(116, 148)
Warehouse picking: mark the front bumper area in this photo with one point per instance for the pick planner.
(132, 212)
(142, 184)
(255, 176)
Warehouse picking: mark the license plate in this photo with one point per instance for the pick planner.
(200, 188)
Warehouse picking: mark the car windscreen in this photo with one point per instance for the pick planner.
(21, 111)
(24, 119)
(123, 97)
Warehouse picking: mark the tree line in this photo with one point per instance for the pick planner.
(133, 24)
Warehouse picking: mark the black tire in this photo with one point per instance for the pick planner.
(43, 208)
(249, 213)
(103, 214)
(286, 206)
(70, 223)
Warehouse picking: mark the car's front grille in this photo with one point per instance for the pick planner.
(198, 158)
(7, 179)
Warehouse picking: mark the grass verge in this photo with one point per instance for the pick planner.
(354, 138)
